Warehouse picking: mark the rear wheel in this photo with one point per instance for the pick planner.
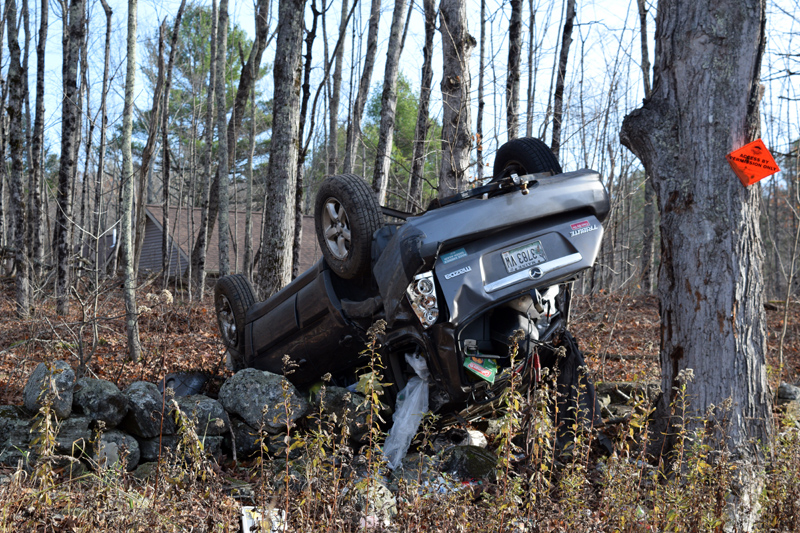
(346, 215)
(233, 296)
(526, 155)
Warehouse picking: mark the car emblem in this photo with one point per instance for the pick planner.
(458, 272)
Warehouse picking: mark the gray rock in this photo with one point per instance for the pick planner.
(149, 449)
(476, 438)
(788, 393)
(144, 418)
(100, 400)
(64, 377)
(212, 445)
(251, 391)
(115, 447)
(145, 470)
(74, 436)
(246, 438)
(211, 418)
(346, 406)
(15, 434)
(469, 462)
(448, 439)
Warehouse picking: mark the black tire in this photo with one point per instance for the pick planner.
(526, 155)
(233, 296)
(346, 215)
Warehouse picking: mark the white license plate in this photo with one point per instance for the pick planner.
(524, 256)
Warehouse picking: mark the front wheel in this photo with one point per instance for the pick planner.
(525, 155)
(346, 215)
(233, 296)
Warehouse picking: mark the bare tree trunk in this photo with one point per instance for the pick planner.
(248, 220)
(153, 127)
(17, 77)
(710, 282)
(311, 35)
(246, 80)
(98, 191)
(481, 102)
(166, 250)
(333, 146)
(275, 267)
(357, 113)
(649, 208)
(70, 121)
(222, 121)
(423, 120)
(126, 208)
(198, 265)
(383, 158)
(35, 200)
(457, 44)
(558, 96)
(531, 70)
(512, 79)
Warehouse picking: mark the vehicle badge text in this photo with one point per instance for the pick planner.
(458, 272)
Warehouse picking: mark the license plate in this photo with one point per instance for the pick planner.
(527, 255)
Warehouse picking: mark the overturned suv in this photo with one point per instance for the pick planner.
(453, 283)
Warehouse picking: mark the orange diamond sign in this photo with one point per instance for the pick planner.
(752, 162)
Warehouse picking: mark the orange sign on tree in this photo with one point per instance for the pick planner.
(752, 162)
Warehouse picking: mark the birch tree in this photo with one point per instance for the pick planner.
(704, 104)
(383, 158)
(70, 122)
(222, 122)
(126, 208)
(35, 247)
(457, 44)
(512, 79)
(423, 119)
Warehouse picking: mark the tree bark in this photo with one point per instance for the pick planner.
(222, 169)
(275, 267)
(70, 121)
(481, 102)
(17, 78)
(512, 79)
(126, 207)
(648, 216)
(357, 113)
(383, 158)
(35, 200)
(248, 217)
(457, 44)
(423, 118)
(705, 103)
(98, 191)
(558, 96)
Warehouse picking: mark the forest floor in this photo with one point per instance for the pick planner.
(619, 334)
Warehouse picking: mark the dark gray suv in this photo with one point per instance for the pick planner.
(452, 283)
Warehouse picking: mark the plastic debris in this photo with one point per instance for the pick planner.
(411, 406)
(272, 520)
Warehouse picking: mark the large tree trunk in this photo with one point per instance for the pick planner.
(704, 104)
(35, 250)
(126, 207)
(512, 80)
(70, 121)
(357, 113)
(275, 269)
(222, 169)
(383, 158)
(423, 120)
(17, 78)
(457, 44)
(198, 265)
(558, 96)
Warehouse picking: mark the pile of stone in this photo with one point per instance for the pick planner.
(97, 422)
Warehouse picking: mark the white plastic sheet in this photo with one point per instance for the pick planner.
(411, 406)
